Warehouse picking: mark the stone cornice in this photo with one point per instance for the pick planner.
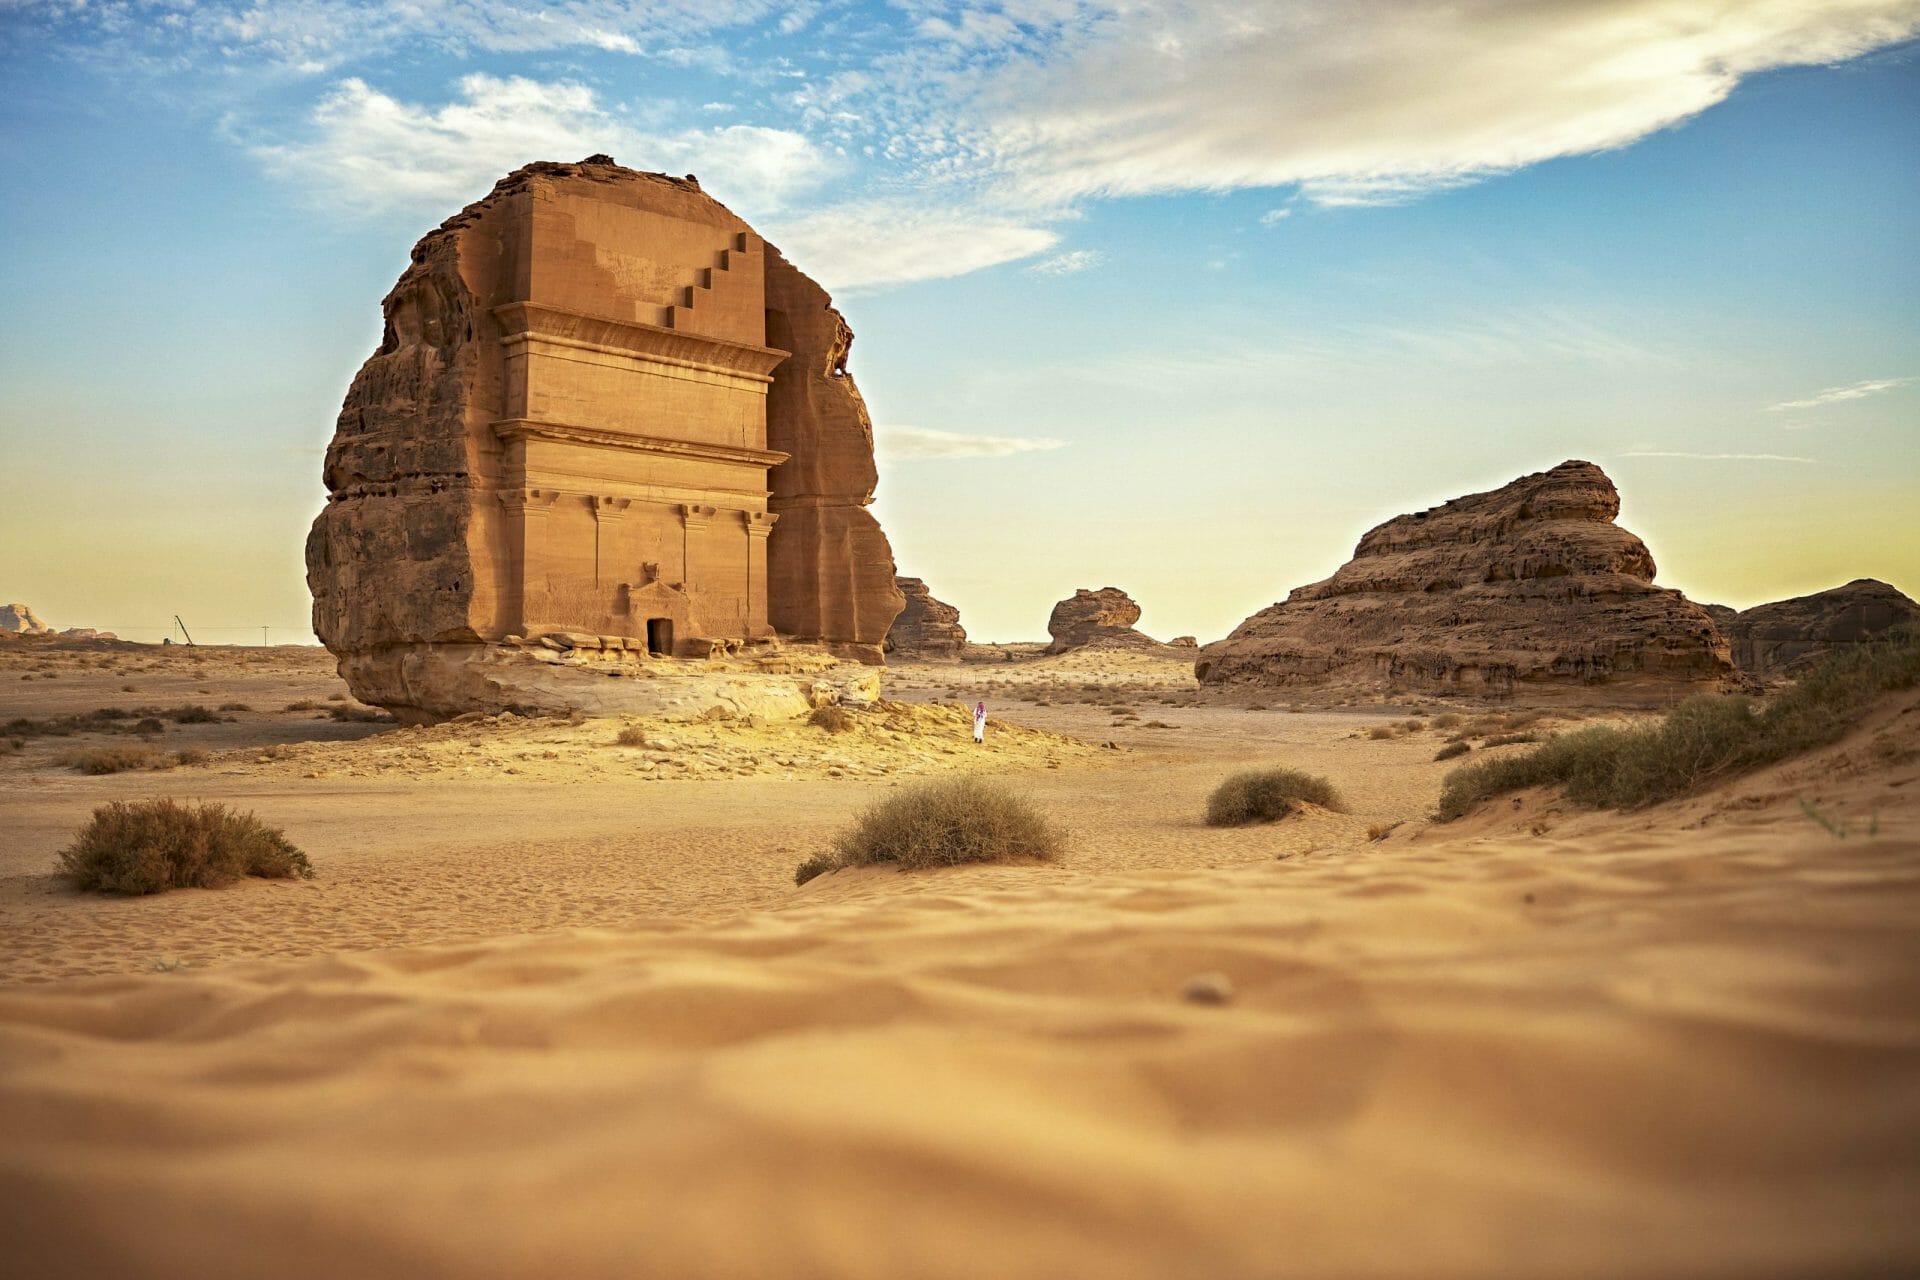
(524, 428)
(523, 322)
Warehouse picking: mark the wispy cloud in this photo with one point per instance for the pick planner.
(871, 244)
(1066, 264)
(906, 444)
(368, 153)
(1714, 457)
(1834, 395)
(1272, 216)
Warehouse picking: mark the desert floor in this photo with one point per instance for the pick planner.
(554, 1006)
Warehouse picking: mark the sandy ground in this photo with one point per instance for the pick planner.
(563, 1013)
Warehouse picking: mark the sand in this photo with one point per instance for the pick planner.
(524, 1026)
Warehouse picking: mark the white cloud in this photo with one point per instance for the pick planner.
(1272, 216)
(1372, 100)
(1066, 264)
(1833, 395)
(1715, 457)
(877, 243)
(906, 444)
(368, 153)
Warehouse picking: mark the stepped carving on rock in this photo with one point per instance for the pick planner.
(1787, 636)
(926, 627)
(1089, 617)
(1532, 584)
(605, 418)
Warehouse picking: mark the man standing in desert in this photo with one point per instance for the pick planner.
(979, 722)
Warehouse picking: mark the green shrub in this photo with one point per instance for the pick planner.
(1452, 751)
(1699, 741)
(833, 719)
(1267, 795)
(942, 823)
(149, 846)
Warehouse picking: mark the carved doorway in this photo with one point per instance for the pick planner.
(660, 636)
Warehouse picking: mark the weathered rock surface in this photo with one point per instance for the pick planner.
(1532, 584)
(926, 628)
(1184, 642)
(602, 405)
(1089, 617)
(21, 621)
(1786, 636)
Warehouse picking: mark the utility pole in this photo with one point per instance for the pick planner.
(263, 637)
(183, 629)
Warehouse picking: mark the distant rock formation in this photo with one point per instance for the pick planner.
(926, 628)
(1530, 584)
(602, 407)
(1184, 642)
(1089, 617)
(20, 620)
(1787, 636)
(87, 633)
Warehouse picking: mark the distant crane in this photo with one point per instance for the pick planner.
(183, 629)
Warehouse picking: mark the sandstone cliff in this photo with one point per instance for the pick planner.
(18, 619)
(602, 407)
(1786, 636)
(1532, 584)
(926, 628)
(1089, 617)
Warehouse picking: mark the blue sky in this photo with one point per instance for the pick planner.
(1176, 297)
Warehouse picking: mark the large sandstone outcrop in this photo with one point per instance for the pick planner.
(926, 628)
(604, 411)
(1089, 617)
(18, 619)
(1790, 635)
(1531, 584)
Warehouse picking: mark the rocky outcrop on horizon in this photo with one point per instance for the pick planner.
(926, 628)
(603, 410)
(1089, 617)
(21, 620)
(1787, 636)
(1531, 584)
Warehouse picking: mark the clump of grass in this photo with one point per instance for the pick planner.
(149, 846)
(1413, 726)
(1448, 720)
(1267, 795)
(1380, 732)
(1702, 739)
(1452, 751)
(632, 736)
(942, 823)
(834, 719)
(99, 760)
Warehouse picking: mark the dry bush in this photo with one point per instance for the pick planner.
(1380, 830)
(1510, 739)
(194, 714)
(833, 719)
(1267, 795)
(1380, 732)
(1702, 739)
(8, 746)
(632, 736)
(98, 760)
(1452, 751)
(305, 704)
(1449, 720)
(235, 706)
(192, 755)
(942, 823)
(1413, 726)
(149, 846)
(149, 728)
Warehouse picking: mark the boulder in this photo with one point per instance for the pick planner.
(1089, 617)
(926, 627)
(1530, 585)
(602, 406)
(1787, 636)
(1184, 642)
(20, 620)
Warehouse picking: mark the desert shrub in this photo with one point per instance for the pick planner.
(235, 706)
(359, 715)
(632, 736)
(1452, 751)
(1380, 830)
(98, 760)
(1267, 795)
(305, 704)
(99, 720)
(1700, 740)
(1413, 726)
(149, 728)
(1380, 732)
(1449, 720)
(9, 746)
(833, 719)
(149, 846)
(942, 823)
(191, 755)
(818, 865)
(1510, 739)
(194, 714)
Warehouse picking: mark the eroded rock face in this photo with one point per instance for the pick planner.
(1787, 636)
(578, 422)
(1530, 584)
(926, 628)
(20, 620)
(1089, 617)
